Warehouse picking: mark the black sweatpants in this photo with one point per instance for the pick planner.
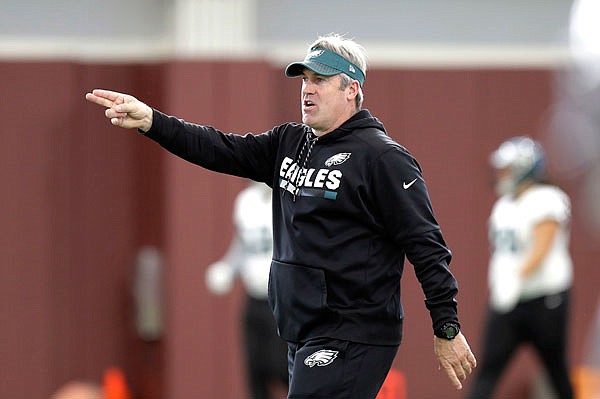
(541, 322)
(331, 369)
(266, 352)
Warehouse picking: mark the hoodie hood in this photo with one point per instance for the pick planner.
(360, 120)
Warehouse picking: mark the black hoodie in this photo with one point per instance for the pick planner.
(348, 207)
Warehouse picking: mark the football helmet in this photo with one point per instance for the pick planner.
(523, 157)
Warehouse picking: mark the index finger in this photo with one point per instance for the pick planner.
(451, 373)
(108, 94)
(102, 97)
(455, 380)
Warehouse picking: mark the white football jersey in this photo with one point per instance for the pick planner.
(253, 218)
(249, 254)
(511, 227)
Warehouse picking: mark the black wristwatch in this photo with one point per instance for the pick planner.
(448, 331)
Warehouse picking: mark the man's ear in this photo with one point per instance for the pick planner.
(353, 89)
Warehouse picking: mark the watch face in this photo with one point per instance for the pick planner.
(448, 331)
(451, 331)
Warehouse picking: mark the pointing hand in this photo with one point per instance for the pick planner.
(123, 110)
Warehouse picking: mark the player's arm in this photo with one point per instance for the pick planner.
(543, 236)
(221, 274)
(123, 110)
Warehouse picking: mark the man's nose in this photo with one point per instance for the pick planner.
(307, 87)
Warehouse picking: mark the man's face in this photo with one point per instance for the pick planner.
(324, 105)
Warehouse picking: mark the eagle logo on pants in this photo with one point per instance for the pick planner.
(321, 358)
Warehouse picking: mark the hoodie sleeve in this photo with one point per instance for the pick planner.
(250, 156)
(403, 200)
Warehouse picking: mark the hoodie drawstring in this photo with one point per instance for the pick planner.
(309, 143)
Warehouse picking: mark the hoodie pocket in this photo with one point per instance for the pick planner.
(298, 297)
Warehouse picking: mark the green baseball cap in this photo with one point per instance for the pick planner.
(326, 63)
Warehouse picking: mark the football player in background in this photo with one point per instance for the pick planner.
(530, 270)
(249, 258)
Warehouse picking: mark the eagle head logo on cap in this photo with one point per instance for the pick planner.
(314, 54)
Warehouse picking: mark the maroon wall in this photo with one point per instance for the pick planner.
(80, 197)
(73, 213)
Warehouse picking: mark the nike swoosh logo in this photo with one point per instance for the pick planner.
(407, 185)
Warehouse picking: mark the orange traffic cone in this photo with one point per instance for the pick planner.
(115, 385)
(394, 386)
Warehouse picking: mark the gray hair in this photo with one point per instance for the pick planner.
(348, 49)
